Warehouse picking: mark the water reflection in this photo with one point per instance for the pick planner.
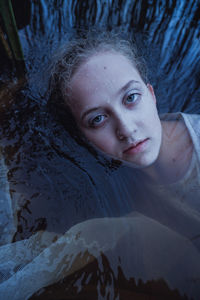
(57, 184)
(171, 29)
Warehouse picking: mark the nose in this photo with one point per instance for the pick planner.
(125, 128)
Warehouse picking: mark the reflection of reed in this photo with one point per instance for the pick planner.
(10, 26)
(13, 48)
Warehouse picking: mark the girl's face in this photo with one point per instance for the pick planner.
(116, 110)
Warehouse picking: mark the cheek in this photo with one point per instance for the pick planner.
(151, 122)
(151, 117)
(102, 140)
(155, 125)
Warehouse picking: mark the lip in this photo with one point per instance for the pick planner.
(136, 147)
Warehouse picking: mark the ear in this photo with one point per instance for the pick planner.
(150, 88)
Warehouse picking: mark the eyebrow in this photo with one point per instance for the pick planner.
(123, 89)
(127, 85)
(89, 111)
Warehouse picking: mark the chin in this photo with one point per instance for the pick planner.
(142, 163)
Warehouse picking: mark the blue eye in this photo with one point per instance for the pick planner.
(131, 98)
(97, 120)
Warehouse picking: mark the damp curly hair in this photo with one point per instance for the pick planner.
(70, 56)
(84, 44)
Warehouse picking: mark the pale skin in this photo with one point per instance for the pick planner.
(117, 113)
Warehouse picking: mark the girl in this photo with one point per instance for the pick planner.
(99, 83)
(102, 81)
(101, 87)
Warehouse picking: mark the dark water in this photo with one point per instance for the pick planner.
(171, 30)
(57, 181)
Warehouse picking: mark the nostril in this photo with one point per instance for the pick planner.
(126, 133)
(125, 127)
(119, 135)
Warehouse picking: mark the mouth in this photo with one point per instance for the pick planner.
(136, 147)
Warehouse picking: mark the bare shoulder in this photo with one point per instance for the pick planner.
(176, 131)
(178, 148)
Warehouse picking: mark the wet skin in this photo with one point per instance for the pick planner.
(116, 110)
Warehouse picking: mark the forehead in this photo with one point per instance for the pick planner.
(104, 68)
(100, 79)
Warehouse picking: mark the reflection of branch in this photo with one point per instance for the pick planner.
(91, 283)
(109, 254)
(5, 44)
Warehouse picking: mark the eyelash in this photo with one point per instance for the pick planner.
(98, 124)
(133, 94)
(92, 122)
